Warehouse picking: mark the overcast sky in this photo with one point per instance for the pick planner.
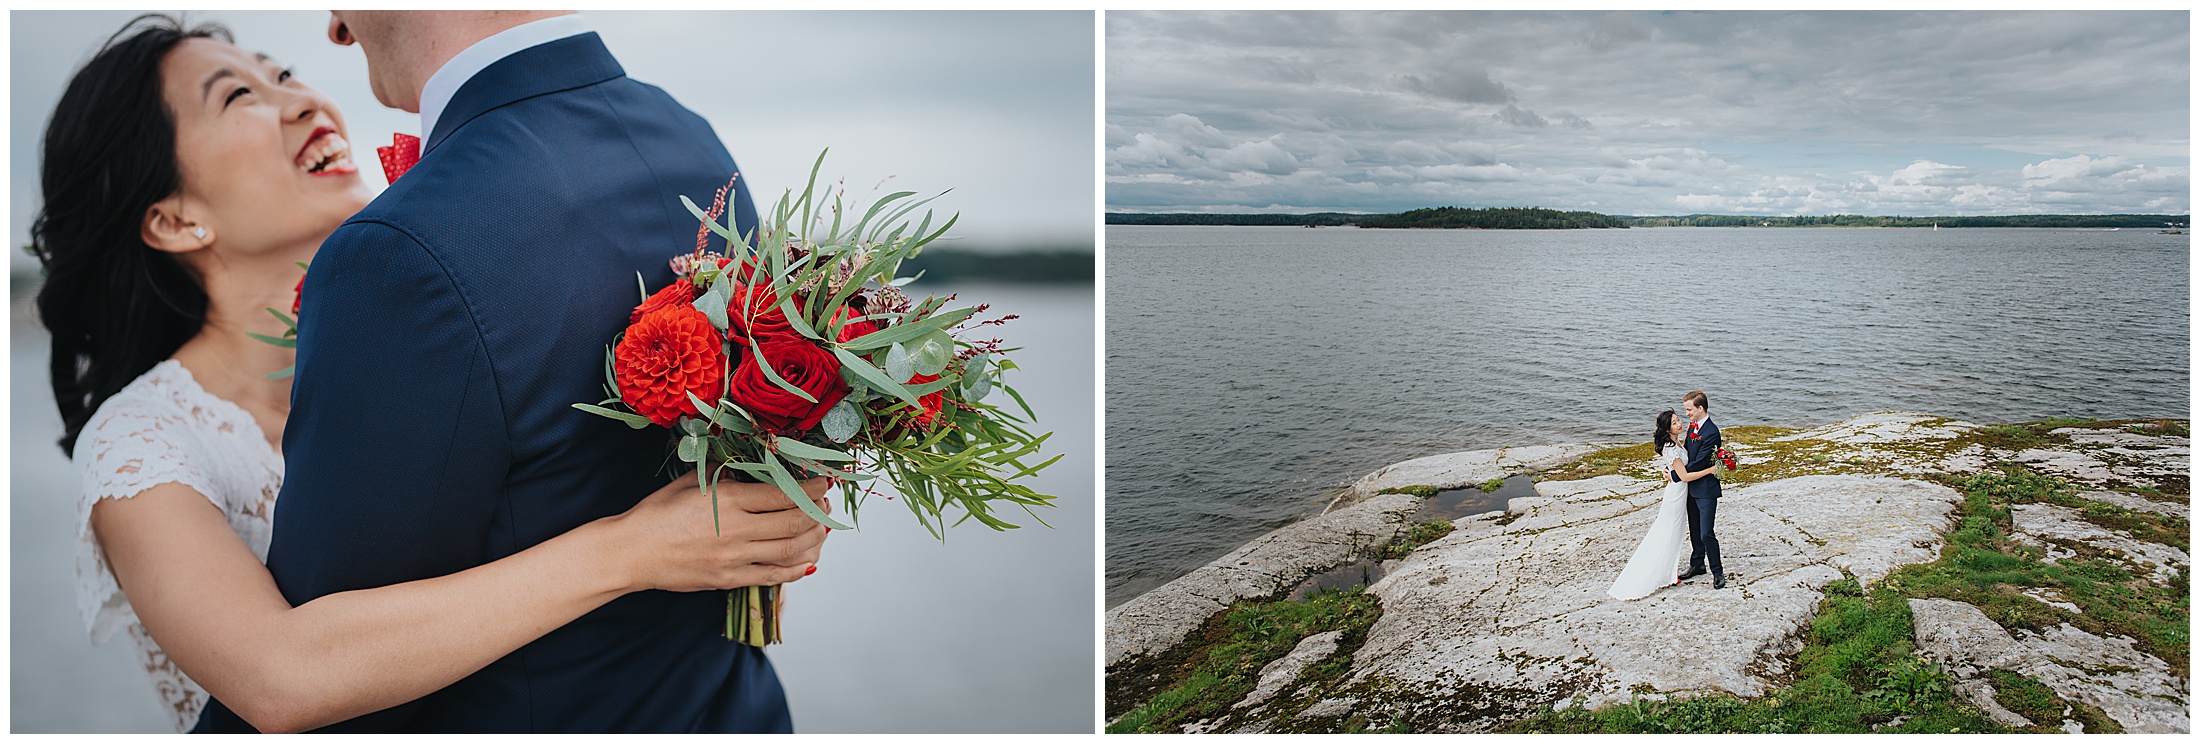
(997, 106)
(1650, 113)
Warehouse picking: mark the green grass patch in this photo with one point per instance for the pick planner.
(1225, 658)
(2027, 697)
(2007, 436)
(1491, 485)
(1421, 491)
(1855, 674)
(2163, 428)
(1603, 462)
(1420, 534)
(1982, 566)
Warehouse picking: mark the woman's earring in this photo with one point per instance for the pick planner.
(200, 233)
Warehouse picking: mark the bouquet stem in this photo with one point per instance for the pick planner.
(752, 615)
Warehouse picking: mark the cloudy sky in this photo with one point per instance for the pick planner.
(997, 106)
(1650, 113)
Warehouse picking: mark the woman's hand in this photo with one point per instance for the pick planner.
(667, 541)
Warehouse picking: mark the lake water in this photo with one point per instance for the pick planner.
(1252, 372)
(897, 632)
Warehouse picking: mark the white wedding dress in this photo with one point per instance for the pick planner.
(1656, 561)
(164, 428)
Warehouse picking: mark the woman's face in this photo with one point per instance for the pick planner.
(267, 163)
(1679, 429)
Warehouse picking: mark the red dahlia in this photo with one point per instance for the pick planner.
(678, 293)
(666, 355)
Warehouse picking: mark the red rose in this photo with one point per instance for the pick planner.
(803, 364)
(676, 294)
(297, 296)
(852, 329)
(666, 355)
(755, 313)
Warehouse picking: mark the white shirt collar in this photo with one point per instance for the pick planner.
(453, 75)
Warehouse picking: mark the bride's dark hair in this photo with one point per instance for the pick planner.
(115, 305)
(1664, 436)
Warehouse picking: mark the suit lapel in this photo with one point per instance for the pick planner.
(565, 64)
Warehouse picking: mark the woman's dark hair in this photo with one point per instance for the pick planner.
(1664, 436)
(115, 305)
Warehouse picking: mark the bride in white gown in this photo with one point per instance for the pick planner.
(1655, 564)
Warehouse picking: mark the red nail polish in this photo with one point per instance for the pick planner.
(811, 570)
(828, 529)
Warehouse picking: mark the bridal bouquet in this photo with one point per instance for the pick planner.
(797, 354)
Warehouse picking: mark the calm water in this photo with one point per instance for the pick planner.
(1253, 371)
(897, 632)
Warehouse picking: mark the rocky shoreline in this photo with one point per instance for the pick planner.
(1505, 619)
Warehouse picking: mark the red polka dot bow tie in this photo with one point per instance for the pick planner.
(399, 156)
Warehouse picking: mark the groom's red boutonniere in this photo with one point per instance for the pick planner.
(403, 152)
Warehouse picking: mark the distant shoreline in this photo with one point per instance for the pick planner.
(1537, 218)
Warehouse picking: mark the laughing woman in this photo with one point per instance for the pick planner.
(183, 178)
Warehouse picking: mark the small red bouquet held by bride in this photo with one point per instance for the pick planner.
(795, 353)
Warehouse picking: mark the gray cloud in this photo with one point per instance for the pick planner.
(1650, 113)
(1465, 85)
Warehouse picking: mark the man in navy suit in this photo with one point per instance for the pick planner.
(1702, 450)
(446, 329)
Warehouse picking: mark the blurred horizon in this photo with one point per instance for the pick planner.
(995, 108)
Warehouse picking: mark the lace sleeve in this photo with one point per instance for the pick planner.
(130, 445)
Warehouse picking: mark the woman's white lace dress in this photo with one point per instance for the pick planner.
(164, 428)
(1656, 560)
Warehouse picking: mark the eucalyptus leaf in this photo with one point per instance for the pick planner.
(928, 388)
(731, 409)
(713, 305)
(979, 387)
(873, 377)
(705, 218)
(786, 308)
(842, 422)
(799, 449)
(287, 343)
(691, 449)
(701, 409)
(695, 427)
(793, 489)
(899, 362)
(282, 373)
(933, 356)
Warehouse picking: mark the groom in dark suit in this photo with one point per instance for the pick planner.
(445, 330)
(1702, 451)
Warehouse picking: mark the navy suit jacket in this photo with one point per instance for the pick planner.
(446, 330)
(1703, 449)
